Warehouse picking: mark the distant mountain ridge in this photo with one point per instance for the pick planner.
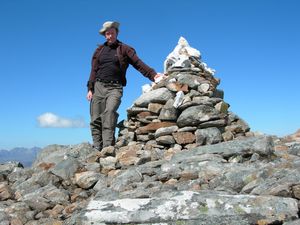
(26, 156)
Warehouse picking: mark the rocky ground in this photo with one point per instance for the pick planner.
(254, 180)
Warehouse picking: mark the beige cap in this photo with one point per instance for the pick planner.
(107, 25)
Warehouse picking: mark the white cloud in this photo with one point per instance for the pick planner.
(49, 119)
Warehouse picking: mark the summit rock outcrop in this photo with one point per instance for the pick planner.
(181, 157)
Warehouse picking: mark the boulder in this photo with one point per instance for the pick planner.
(204, 207)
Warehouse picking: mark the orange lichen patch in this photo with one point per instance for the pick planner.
(46, 166)
(281, 148)
(262, 222)
(70, 208)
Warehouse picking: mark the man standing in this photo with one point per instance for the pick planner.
(107, 78)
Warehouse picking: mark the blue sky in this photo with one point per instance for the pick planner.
(46, 48)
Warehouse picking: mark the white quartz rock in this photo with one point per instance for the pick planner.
(181, 53)
(181, 57)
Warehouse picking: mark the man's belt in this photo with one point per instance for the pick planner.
(108, 81)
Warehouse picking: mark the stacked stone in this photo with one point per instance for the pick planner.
(185, 109)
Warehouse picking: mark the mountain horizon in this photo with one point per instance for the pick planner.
(26, 156)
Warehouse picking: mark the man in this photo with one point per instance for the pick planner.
(107, 78)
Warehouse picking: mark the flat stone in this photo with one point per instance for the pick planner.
(5, 192)
(165, 140)
(208, 136)
(143, 138)
(262, 145)
(65, 168)
(161, 95)
(165, 131)
(176, 86)
(183, 138)
(108, 164)
(152, 127)
(128, 155)
(133, 111)
(195, 115)
(187, 129)
(86, 179)
(168, 112)
(155, 107)
(191, 80)
(203, 88)
(213, 124)
(222, 107)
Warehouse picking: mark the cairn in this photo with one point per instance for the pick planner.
(183, 110)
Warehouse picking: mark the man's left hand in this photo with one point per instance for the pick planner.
(158, 77)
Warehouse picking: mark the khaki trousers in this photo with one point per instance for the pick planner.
(104, 105)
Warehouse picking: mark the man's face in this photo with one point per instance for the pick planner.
(111, 35)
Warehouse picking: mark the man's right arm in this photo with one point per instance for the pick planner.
(92, 78)
(89, 95)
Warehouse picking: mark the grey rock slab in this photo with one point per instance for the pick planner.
(187, 129)
(7, 168)
(108, 163)
(37, 203)
(295, 222)
(205, 206)
(44, 177)
(127, 177)
(46, 197)
(133, 111)
(101, 183)
(37, 180)
(165, 140)
(234, 179)
(50, 154)
(262, 145)
(205, 100)
(4, 219)
(150, 168)
(19, 210)
(20, 175)
(210, 170)
(294, 148)
(211, 135)
(213, 123)
(165, 131)
(57, 153)
(191, 80)
(57, 196)
(87, 179)
(161, 95)
(279, 183)
(65, 169)
(25, 187)
(195, 115)
(168, 111)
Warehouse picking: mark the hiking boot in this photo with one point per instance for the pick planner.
(98, 148)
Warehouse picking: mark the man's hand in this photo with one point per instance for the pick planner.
(89, 95)
(158, 77)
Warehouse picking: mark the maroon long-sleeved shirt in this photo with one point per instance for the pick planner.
(126, 56)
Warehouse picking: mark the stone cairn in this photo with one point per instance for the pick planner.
(183, 110)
